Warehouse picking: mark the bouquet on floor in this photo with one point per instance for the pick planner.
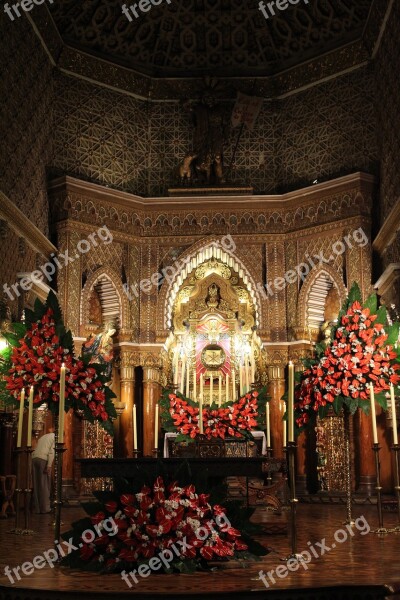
(237, 419)
(364, 349)
(38, 349)
(171, 528)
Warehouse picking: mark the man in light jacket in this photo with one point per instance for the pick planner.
(42, 462)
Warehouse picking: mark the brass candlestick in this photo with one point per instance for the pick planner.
(156, 452)
(347, 451)
(28, 491)
(269, 474)
(18, 491)
(291, 450)
(396, 450)
(136, 453)
(381, 528)
(60, 449)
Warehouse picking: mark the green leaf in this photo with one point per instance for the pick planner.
(323, 411)
(39, 309)
(337, 404)
(393, 334)
(382, 316)
(372, 303)
(381, 400)
(355, 293)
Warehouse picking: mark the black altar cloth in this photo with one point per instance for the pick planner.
(218, 467)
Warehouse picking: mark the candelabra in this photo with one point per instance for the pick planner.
(60, 449)
(381, 528)
(349, 499)
(28, 491)
(396, 450)
(291, 450)
(18, 491)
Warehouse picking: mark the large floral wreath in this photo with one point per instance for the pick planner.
(237, 419)
(364, 349)
(153, 520)
(38, 348)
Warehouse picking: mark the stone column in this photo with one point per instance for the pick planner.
(151, 395)
(276, 389)
(127, 379)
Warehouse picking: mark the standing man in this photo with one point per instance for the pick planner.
(42, 461)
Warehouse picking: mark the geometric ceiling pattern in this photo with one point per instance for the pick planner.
(223, 38)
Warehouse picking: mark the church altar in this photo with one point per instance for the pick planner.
(219, 467)
(257, 435)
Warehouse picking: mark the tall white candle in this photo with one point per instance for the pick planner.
(182, 386)
(233, 385)
(135, 446)
(220, 390)
(201, 413)
(373, 413)
(284, 433)
(156, 428)
(241, 380)
(267, 425)
(20, 419)
(211, 388)
(252, 361)
(187, 381)
(176, 365)
(394, 417)
(247, 375)
(30, 418)
(227, 387)
(194, 385)
(290, 404)
(61, 406)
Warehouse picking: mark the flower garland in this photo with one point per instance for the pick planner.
(237, 419)
(363, 351)
(151, 521)
(38, 349)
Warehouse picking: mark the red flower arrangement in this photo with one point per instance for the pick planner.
(151, 521)
(229, 420)
(362, 351)
(36, 360)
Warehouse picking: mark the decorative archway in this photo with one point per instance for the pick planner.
(113, 300)
(202, 251)
(311, 302)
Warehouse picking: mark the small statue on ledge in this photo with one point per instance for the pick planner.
(205, 163)
(100, 348)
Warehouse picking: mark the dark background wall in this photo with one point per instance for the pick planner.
(55, 124)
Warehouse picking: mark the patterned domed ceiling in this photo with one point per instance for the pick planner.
(227, 38)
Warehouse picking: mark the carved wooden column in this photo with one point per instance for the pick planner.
(68, 459)
(151, 395)
(365, 455)
(127, 379)
(276, 389)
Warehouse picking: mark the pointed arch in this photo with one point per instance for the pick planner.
(190, 259)
(114, 301)
(311, 302)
